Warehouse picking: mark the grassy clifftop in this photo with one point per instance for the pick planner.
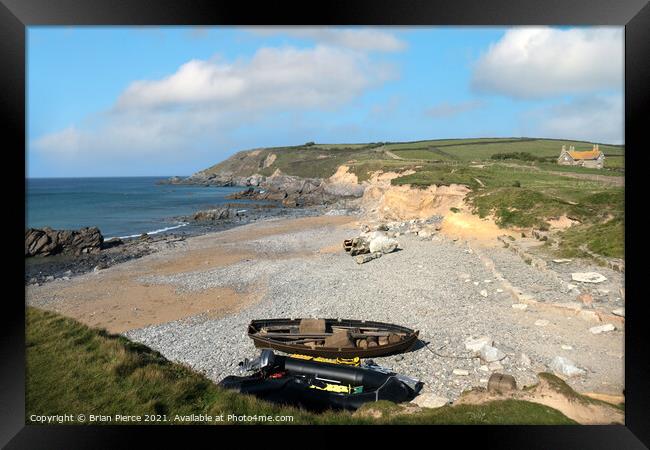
(322, 160)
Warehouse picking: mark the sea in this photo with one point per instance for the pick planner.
(120, 207)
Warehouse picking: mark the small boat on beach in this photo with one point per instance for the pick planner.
(332, 338)
(320, 386)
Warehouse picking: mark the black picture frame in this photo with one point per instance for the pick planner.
(16, 15)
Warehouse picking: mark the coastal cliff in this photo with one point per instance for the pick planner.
(296, 176)
(355, 176)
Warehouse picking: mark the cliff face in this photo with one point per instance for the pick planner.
(295, 191)
(313, 175)
(246, 168)
(297, 176)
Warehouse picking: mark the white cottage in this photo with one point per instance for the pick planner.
(593, 158)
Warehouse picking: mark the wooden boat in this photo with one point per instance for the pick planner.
(332, 338)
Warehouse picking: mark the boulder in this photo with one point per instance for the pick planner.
(500, 383)
(477, 344)
(430, 400)
(491, 354)
(566, 367)
(588, 277)
(461, 372)
(619, 312)
(211, 215)
(383, 244)
(364, 258)
(46, 241)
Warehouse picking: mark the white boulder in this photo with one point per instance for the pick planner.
(491, 354)
(566, 367)
(477, 344)
(383, 243)
(588, 277)
(430, 400)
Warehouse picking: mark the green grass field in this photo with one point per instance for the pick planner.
(523, 192)
(73, 369)
(322, 160)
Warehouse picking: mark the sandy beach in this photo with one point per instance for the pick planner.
(193, 299)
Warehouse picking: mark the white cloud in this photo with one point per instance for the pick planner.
(361, 39)
(274, 78)
(591, 118)
(205, 99)
(446, 109)
(69, 140)
(535, 62)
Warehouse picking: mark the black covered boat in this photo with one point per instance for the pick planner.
(318, 386)
(332, 338)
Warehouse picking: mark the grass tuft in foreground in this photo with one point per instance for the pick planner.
(73, 369)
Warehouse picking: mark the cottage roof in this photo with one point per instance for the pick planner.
(589, 154)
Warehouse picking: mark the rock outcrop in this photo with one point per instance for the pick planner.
(213, 215)
(46, 241)
(295, 191)
(216, 179)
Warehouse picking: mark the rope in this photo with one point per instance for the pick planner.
(426, 344)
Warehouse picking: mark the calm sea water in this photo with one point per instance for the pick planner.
(119, 207)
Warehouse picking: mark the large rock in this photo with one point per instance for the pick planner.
(211, 215)
(46, 241)
(383, 243)
(566, 367)
(588, 277)
(172, 180)
(500, 383)
(430, 400)
(491, 354)
(477, 344)
(364, 258)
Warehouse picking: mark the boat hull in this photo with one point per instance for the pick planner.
(402, 346)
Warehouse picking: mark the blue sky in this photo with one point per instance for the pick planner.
(118, 101)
